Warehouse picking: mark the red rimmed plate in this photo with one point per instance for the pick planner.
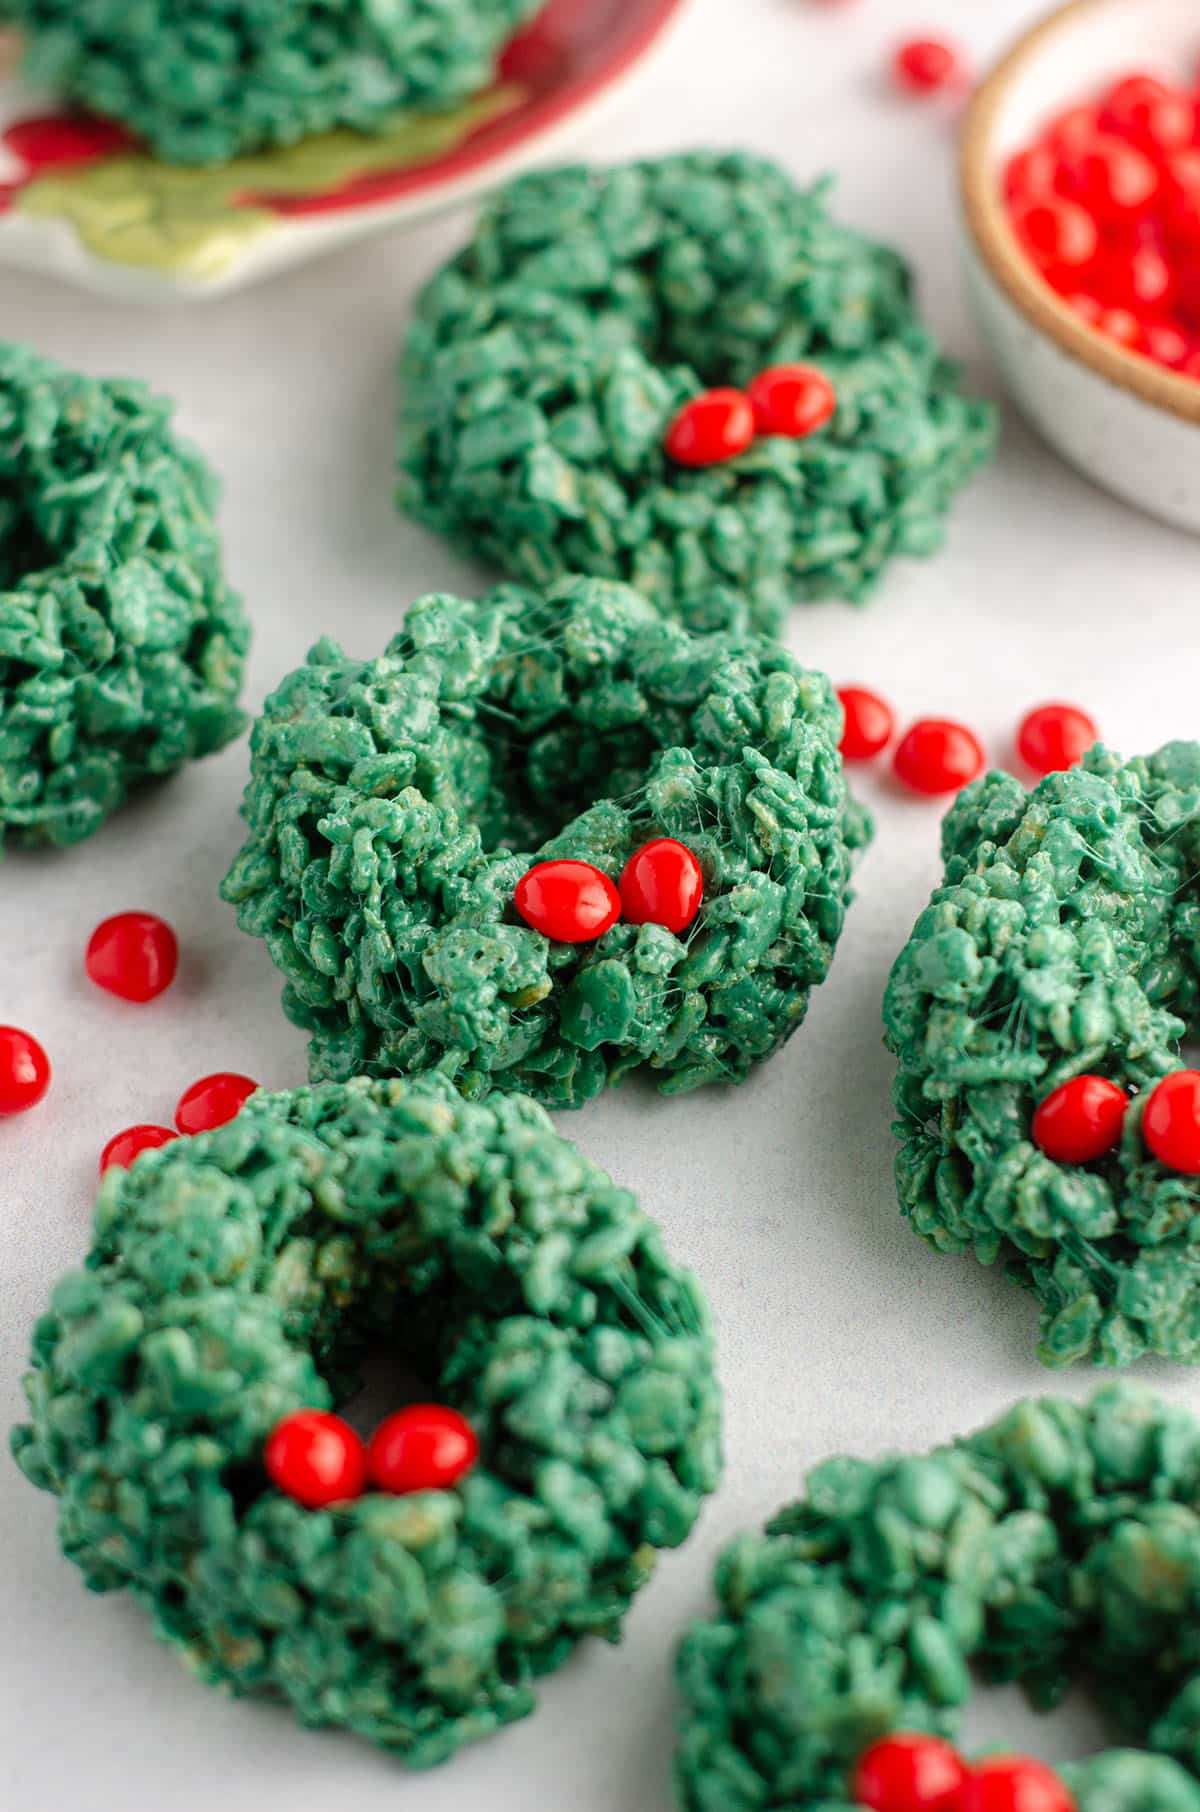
(78, 199)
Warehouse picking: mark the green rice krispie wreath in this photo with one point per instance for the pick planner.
(548, 360)
(1063, 942)
(203, 82)
(121, 646)
(1060, 1544)
(395, 806)
(244, 1273)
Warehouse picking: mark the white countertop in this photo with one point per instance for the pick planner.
(838, 1329)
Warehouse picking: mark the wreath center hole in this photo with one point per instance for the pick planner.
(387, 1381)
(1001, 1719)
(23, 547)
(542, 777)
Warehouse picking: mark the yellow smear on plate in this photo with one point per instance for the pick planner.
(187, 221)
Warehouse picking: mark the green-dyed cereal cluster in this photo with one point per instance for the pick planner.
(1063, 1538)
(207, 80)
(240, 1275)
(121, 646)
(394, 804)
(547, 361)
(1065, 939)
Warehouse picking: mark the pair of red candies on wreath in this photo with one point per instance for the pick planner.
(911, 1772)
(1084, 1119)
(576, 903)
(318, 1459)
(785, 401)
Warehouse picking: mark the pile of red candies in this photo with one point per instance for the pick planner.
(938, 755)
(133, 955)
(909, 1772)
(318, 1459)
(791, 401)
(576, 903)
(1106, 203)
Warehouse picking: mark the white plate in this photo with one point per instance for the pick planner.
(79, 203)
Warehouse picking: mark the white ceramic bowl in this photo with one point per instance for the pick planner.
(1131, 425)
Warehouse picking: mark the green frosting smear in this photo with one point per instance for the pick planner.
(121, 646)
(547, 361)
(206, 81)
(198, 222)
(243, 1274)
(1064, 939)
(1060, 1544)
(395, 803)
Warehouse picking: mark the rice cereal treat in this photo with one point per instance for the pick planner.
(549, 360)
(243, 1274)
(202, 82)
(121, 645)
(1037, 1014)
(547, 839)
(1060, 1544)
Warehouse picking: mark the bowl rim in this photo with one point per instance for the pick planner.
(988, 225)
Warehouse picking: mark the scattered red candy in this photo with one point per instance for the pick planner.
(125, 1146)
(212, 1101)
(1014, 1783)
(134, 955)
(662, 884)
(571, 902)
(425, 1447)
(908, 1772)
(316, 1458)
(870, 723)
(1081, 1120)
(1106, 203)
(1171, 1122)
(937, 756)
(1054, 737)
(24, 1071)
(925, 65)
(713, 427)
(791, 400)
